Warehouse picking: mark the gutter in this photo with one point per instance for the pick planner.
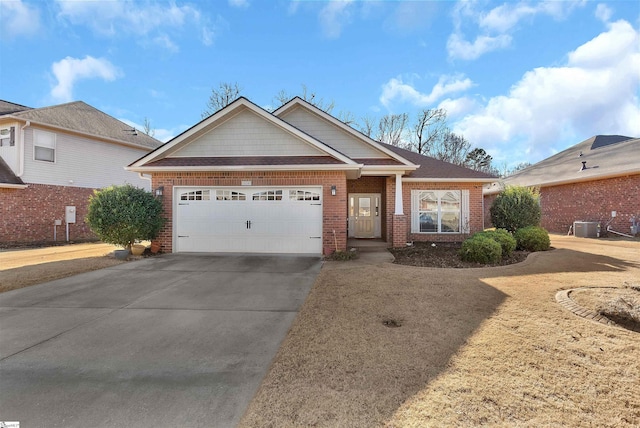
(21, 149)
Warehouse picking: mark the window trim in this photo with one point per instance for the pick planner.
(53, 146)
(415, 211)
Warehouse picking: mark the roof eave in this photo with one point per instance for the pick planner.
(567, 181)
(448, 180)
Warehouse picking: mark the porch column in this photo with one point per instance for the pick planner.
(399, 209)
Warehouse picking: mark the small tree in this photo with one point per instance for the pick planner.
(516, 207)
(121, 215)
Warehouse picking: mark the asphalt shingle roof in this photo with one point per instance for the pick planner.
(81, 117)
(6, 174)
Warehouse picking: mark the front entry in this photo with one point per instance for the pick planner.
(365, 215)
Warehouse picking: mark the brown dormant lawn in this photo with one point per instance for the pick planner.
(402, 346)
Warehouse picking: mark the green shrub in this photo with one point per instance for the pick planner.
(516, 207)
(503, 237)
(481, 249)
(532, 238)
(121, 215)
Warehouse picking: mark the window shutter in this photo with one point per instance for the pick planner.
(415, 206)
(464, 215)
(12, 136)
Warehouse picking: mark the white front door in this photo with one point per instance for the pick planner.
(365, 215)
(248, 219)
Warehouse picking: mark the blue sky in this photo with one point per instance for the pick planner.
(520, 79)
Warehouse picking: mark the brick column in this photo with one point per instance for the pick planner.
(399, 230)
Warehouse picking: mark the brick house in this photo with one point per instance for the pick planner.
(298, 180)
(585, 182)
(54, 157)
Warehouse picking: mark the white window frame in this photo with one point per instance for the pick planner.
(463, 212)
(39, 141)
(8, 136)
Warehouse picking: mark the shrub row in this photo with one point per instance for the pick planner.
(490, 246)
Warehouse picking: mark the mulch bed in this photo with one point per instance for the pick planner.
(444, 255)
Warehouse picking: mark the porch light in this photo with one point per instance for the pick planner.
(333, 190)
(159, 191)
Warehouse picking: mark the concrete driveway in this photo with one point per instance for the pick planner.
(176, 340)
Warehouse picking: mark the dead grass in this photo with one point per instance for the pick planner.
(619, 304)
(12, 279)
(470, 347)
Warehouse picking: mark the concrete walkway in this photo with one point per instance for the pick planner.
(175, 340)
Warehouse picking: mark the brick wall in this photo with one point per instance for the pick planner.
(28, 214)
(334, 207)
(587, 201)
(476, 213)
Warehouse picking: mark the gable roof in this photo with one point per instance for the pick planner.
(298, 102)
(604, 156)
(7, 178)
(167, 156)
(82, 118)
(434, 169)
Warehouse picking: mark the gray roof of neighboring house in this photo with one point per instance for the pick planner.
(6, 174)
(81, 117)
(605, 156)
(435, 168)
(7, 108)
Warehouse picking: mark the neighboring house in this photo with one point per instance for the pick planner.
(298, 180)
(54, 157)
(585, 182)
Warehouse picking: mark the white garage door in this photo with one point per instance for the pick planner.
(248, 219)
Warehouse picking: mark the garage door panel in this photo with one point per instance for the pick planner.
(280, 224)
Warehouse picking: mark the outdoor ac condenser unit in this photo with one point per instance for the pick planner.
(585, 229)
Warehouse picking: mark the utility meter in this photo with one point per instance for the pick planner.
(70, 215)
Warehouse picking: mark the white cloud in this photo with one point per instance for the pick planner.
(497, 25)
(603, 12)
(18, 19)
(242, 4)
(595, 92)
(334, 16)
(397, 90)
(69, 70)
(458, 107)
(460, 48)
(123, 18)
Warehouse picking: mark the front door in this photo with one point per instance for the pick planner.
(364, 215)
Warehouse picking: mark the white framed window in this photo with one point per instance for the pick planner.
(44, 146)
(268, 195)
(439, 211)
(196, 195)
(303, 195)
(8, 136)
(230, 195)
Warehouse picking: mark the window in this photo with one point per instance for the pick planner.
(230, 195)
(44, 146)
(8, 136)
(196, 195)
(303, 195)
(268, 195)
(439, 211)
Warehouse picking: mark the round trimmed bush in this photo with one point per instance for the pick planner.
(516, 207)
(481, 249)
(503, 237)
(532, 238)
(121, 215)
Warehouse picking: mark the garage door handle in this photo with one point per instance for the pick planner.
(183, 236)
(248, 224)
(317, 204)
(315, 237)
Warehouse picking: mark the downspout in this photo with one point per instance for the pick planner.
(21, 149)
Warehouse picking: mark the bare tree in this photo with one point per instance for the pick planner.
(146, 127)
(284, 97)
(391, 129)
(452, 148)
(221, 97)
(367, 123)
(347, 118)
(430, 127)
(479, 160)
